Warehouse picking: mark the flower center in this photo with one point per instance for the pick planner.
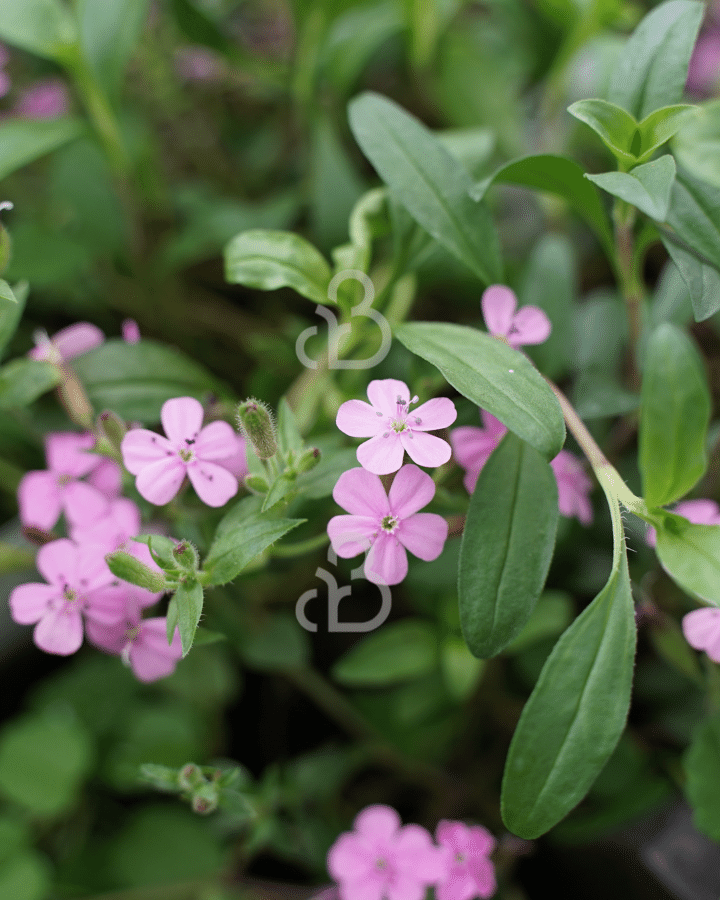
(389, 523)
(381, 864)
(459, 857)
(69, 594)
(131, 632)
(186, 454)
(398, 423)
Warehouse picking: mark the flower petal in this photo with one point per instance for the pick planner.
(83, 504)
(216, 441)
(424, 535)
(358, 419)
(236, 462)
(151, 657)
(383, 393)
(350, 858)
(498, 307)
(106, 477)
(57, 562)
(361, 493)
(700, 512)
(350, 535)
(60, 631)
(378, 822)
(410, 491)
(382, 454)
(213, 484)
(39, 499)
(426, 449)
(472, 446)
(141, 447)
(68, 453)
(386, 563)
(29, 602)
(700, 626)
(530, 325)
(160, 481)
(110, 638)
(182, 418)
(437, 413)
(77, 339)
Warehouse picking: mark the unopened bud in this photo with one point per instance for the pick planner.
(256, 423)
(5, 241)
(307, 460)
(257, 484)
(186, 556)
(190, 777)
(205, 800)
(127, 567)
(112, 427)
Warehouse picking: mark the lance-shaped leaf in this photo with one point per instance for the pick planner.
(507, 546)
(430, 184)
(494, 376)
(24, 140)
(646, 187)
(690, 554)
(653, 65)
(701, 279)
(615, 127)
(574, 717)
(274, 259)
(696, 145)
(674, 416)
(188, 605)
(12, 305)
(657, 128)
(44, 27)
(694, 214)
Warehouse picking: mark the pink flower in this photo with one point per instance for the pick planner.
(528, 325)
(161, 463)
(76, 578)
(43, 495)
(141, 643)
(381, 860)
(130, 331)
(387, 525)
(69, 342)
(46, 99)
(236, 464)
(704, 70)
(472, 446)
(701, 628)
(573, 487)
(699, 512)
(470, 873)
(392, 428)
(106, 477)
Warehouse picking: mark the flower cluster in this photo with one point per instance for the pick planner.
(384, 860)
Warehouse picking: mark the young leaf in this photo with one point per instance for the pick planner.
(690, 554)
(615, 127)
(507, 546)
(703, 786)
(646, 187)
(189, 603)
(395, 653)
(696, 145)
(425, 178)
(653, 65)
(660, 126)
(274, 259)
(24, 140)
(492, 375)
(694, 214)
(674, 416)
(701, 280)
(44, 27)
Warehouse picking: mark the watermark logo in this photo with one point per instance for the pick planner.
(338, 333)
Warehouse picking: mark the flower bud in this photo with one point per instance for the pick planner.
(257, 484)
(307, 460)
(186, 556)
(190, 777)
(111, 427)
(256, 423)
(205, 799)
(127, 567)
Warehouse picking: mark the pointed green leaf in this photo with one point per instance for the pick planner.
(690, 554)
(696, 145)
(701, 280)
(494, 376)
(615, 127)
(22, 141)
(275, 259)
(44, 27)
(507, 546)
(703, 785)
(674, 416)
(189, 604)
(430, 184)
(695, 216)
(288, 435)
(646, 187)
(394, 653)
(12, 306)
(653, 65)
(660, 126)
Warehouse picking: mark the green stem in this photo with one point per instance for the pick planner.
(628, 269)
(101, 115)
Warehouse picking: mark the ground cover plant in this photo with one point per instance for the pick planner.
(359, 444)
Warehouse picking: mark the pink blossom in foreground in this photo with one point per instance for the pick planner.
(236, 464)
(46, 99)
(470, 873)
(701, 628)
(141, 643)
(161, 463)
(106, 477)
(529, 325)
(699, 512)
(386, 525)
(67, 343)
(77, 577)
(382, 860)
(472, 447)
(130, 331)
(393, 428)
(44, 495)
(574, 486)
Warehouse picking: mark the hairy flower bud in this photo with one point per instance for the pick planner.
(205, 799)
(190, 777)
(186, 556)
(257, 484)
(307, 460)
(256, 423)
(127, 567)
(112, 427)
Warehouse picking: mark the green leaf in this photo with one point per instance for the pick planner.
(696, 145)
(24, 140)
(461, 670)
(394, 653)
(616, 128)
(288, 434)
(575, 715)
(12, 306)
(646, 187)
(278, 642)
(189, 603)
(22, 381)
(690, 554)
(274, 259)
(492, 375)
(135, 380)
(43, 27)
(507, 546)
(695, 216)
(243, 533)
(26, 876)
(703, 785)
(563, 177)
(701, 280)
(660, 126)
(427, 181)
(109, 32)
(653, 65)
(674, 416)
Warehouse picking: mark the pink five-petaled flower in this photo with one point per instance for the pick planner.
(470, 874)
(701, 628)
(66, 344)
(387, 525)
(161, 463)
(381, 860)
(77, 579)
(43, 495)
(529, 325)
(699, 512)
(393, 428)
(573, 487)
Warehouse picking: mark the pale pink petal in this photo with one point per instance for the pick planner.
(700, 512)
(491, 424)
(60, 631)
(57, 562)
(456, 887)
(28, 602)
(77, 339)
(498, 307)
(700, 626)
(83, 504)
(481, 840)
(68, 453)
(350, 858)
(406, 887)
(159, 482)
(151, 657)
(39, 499)
(382, 454)
(141, 447)
(182, 418)
(92, 570)
(370, 888)
(361, 493)
(437, 413)
(130, 331)
(472, 447)
(216, 441)
(45, 99)
(712, 648)
(425, 449)
(386, 563)
(106, 477)
(119, 524)
(454, 834)
(383, 393)
(417, 854)
(410, 491)
(530, 325)
(236, 463)
(378, 822)
(650, 536)
(110, 638)
(350, 535)
(358, 419)
(423, 534)
(113, 605)
(213, 484)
